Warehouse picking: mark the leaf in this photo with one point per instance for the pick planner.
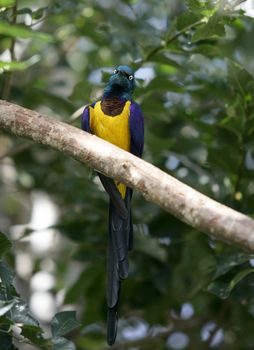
(34, 334)
(7, 3)
(239, 277)
(161, 83)
(193, 5)
(5, 306)
(6, 274)
(18, 66)
(5, 244)
(226, 263)
(60, 343)
(164, 58)
(24, 11)
(239, 77)
(213, 28)
(39, 13)
(186, 19)
(223, 289)
(23, 32)
(21, 314)
(6, 342)
(220, 289)
(64, 322)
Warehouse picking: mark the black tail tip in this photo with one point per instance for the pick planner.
(112, 321)
(123, 269)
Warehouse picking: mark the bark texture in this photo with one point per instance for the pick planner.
(187, 204)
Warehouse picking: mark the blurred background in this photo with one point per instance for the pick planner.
(194, 69)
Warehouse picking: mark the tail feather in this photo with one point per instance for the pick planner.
(130, 226)
(113, 281)
(112, 320)
(120, 241)
(119, 233)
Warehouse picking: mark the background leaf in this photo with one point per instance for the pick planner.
(23, 32)
(226, 263)
(5, 244)
(5, 306)
(63, 322)
(6, 3)
(213, 28)
(62, 344)
(222, 289)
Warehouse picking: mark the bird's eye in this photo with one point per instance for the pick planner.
(115, 71)
(130, 77)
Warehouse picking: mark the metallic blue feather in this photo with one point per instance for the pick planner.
(85, 120)
(136, 121)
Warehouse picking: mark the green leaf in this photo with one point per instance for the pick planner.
(23, 32)
(239, 277)
(226, 263)
(5, 306)
(64, 322)
(240, 78)
(6, 342)
(38, 13)
(20, 313)
(213, 28)
(34, 334)
(6, 274)
(186, 19)
(18, 66)
(193, 4)
(7, 3)
(162, 57)
(222, 289)
(24, 11)
(161, 83)
(5, 244)
(60, 343)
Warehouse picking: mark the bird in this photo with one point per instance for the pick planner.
(116, 118)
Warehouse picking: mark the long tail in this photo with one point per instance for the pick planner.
(120, 241)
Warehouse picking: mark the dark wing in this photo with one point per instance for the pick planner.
(136, 122)
(85, 121)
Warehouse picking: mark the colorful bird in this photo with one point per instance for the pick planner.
(117, 119)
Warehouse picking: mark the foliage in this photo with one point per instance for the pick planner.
(14, 311)
(195, 86)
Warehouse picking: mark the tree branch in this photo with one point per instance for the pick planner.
(180, 200)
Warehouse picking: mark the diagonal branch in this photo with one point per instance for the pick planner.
(180, 200)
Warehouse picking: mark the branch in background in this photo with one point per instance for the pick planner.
(190, 206)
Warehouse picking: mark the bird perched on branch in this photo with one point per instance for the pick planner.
(117, 119)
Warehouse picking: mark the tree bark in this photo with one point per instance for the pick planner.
(187, 204)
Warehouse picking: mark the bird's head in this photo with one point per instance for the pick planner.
(121, 83)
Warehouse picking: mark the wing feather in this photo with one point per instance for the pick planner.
(136, 122)
(85, 120)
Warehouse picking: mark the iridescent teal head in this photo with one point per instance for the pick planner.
(121, 83)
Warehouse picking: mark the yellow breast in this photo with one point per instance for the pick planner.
(112, 129)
